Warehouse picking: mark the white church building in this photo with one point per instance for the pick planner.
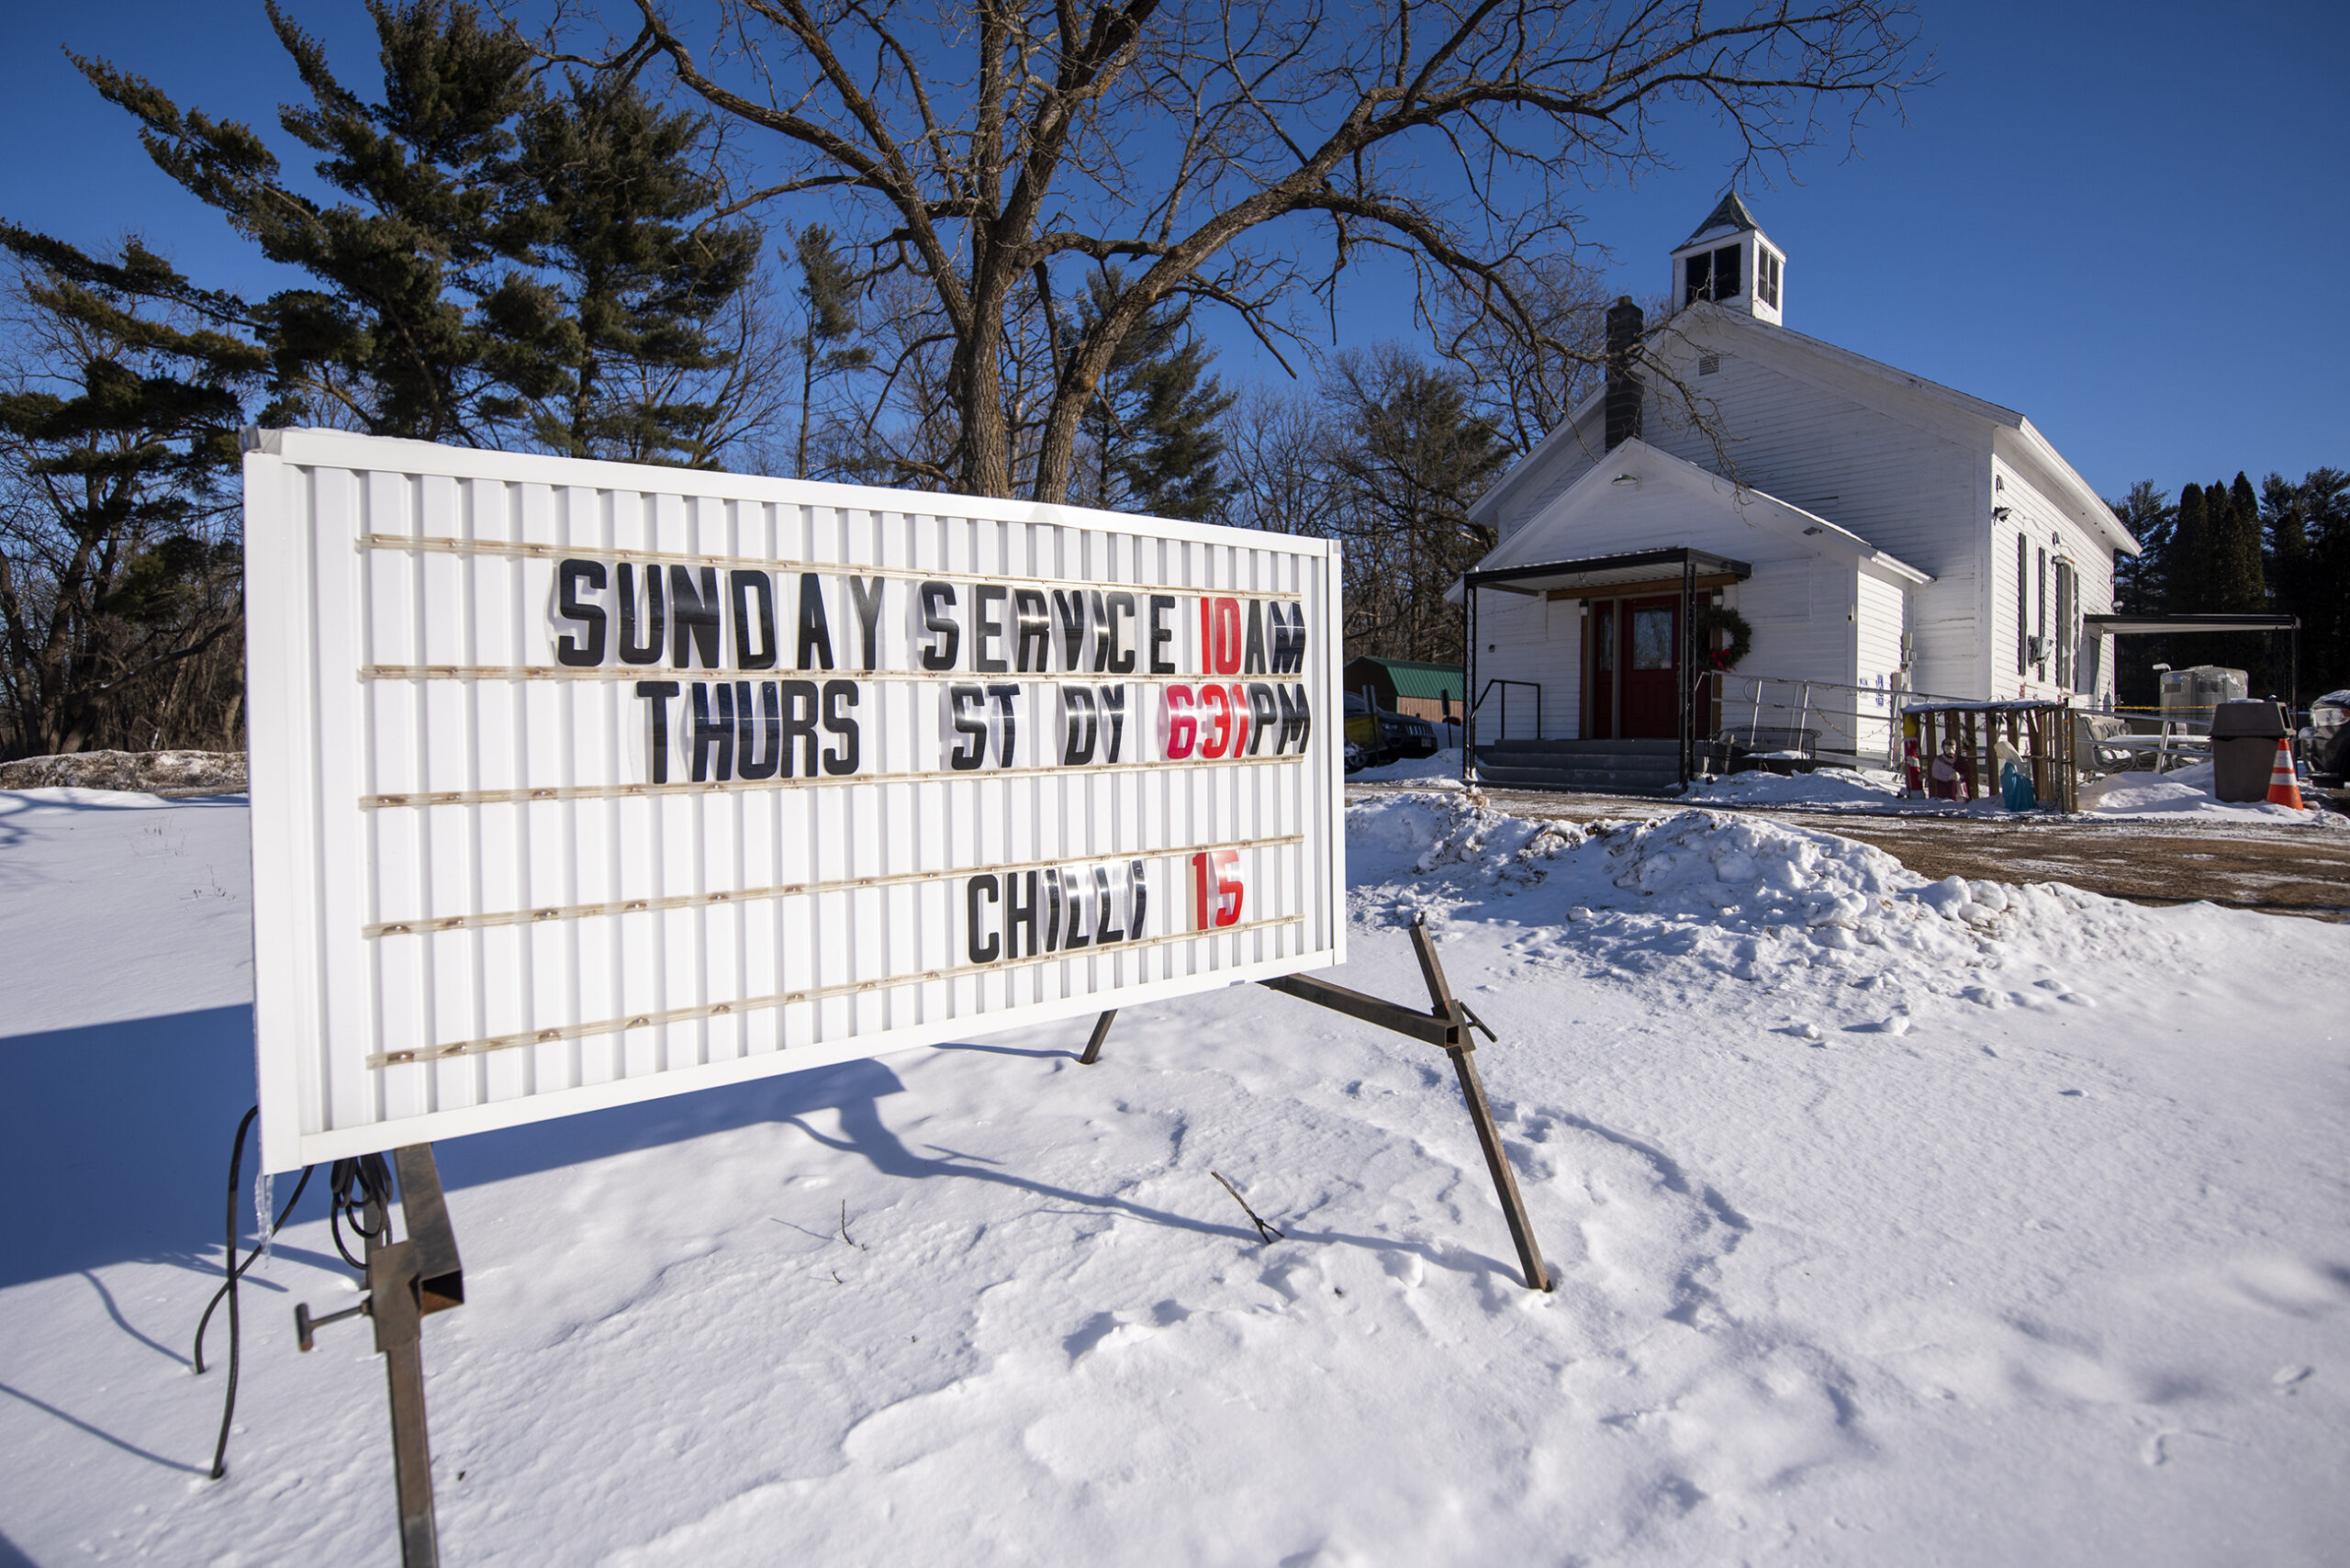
(1878, 533)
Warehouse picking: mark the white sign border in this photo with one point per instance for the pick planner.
(280, 703)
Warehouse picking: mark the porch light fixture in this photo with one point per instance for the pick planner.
(2001, 512)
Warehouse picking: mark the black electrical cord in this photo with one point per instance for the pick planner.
(251, 1257)
(355, 1184)
(235, 1271)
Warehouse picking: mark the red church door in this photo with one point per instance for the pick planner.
(1649, 659)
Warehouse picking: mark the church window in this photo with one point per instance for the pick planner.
(2023, 604)
(1767, 282)
(1652, 639)
(2043, 627)
(2067, 600)
(1711, 274)
(1707, 363)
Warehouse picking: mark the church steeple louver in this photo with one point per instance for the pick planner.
(1729, 262)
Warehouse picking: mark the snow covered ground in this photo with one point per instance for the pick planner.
(2184, 792)
(1895, 1223)
(2142, 796)
(1441, 770)
(2151, 797)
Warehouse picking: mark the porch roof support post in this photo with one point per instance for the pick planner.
(1688, 675)
(1468, 689)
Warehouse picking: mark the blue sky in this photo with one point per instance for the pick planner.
(2131, 223)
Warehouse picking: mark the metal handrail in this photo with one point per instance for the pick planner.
(1505, 685)
(1807, 705)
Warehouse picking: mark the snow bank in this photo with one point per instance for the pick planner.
(1703, 894)
(1822, 787)
(136, 770)
(1439, 770)
(2186, 792)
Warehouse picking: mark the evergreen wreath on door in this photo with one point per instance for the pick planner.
(1737, 636)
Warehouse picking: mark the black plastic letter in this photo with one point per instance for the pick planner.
(979, 887)
(938, 618)
(1162, 606)
(657, 695)
(843, 759)
(693, 615)
(815, 631)
(586, 651)
(657, 617)
(753, 594)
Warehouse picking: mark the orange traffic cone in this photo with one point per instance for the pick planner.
(2284, 789)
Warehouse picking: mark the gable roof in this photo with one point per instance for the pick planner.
(2015, 437)
(2023, 443)
(1536, 541)
(1417, 677)
(1728, 213)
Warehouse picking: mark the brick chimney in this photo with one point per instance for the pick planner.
(1624, 324)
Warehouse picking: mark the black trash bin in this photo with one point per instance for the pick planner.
(2243, 748)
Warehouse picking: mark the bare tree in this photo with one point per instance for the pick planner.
(1276, 445)
(1525, 383)
(1241, 156)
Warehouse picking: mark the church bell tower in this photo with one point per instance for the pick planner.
(1729, 261)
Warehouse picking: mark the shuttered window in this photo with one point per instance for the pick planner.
(2023, 605)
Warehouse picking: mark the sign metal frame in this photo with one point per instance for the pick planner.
(316, 514)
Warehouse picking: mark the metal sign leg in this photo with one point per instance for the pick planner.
(399, 1336)
(1100, 1033)
(1446, 1024)
(407, 1280)
(1462, 1047)
(1489, 1137)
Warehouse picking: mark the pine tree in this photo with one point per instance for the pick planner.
(828, 290)
(2309, 535)
(119, 559)
(394, 336)
(2187, 565)
(2247, 571)
(508, 264)
(2139, 587)
(1410, 462)
(611, 187)
(1152, 427)
(2233, 582)
(2150, 517)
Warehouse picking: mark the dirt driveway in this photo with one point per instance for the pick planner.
(2280, 870)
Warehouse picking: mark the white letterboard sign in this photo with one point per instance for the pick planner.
(579, 783)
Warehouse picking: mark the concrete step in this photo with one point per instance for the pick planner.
(1594, 780)
(1664, 748)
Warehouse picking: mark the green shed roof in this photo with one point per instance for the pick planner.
(1414, 678)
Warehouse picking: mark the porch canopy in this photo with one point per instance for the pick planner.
(1683, 570)
(2172, 625)
(1665, 570)
(2136, 625)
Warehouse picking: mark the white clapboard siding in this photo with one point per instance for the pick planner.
(1906, 466)
(1532, 639)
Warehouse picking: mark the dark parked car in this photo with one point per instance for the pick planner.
(1375, 736)
(2326, 745)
